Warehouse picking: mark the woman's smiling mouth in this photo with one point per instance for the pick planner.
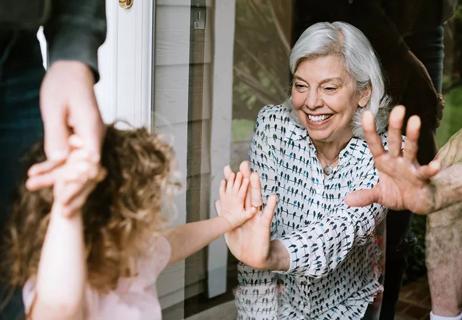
(318, 118)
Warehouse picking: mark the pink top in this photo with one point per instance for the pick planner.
(135, 298)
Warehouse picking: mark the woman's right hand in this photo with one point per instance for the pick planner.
(251, 242)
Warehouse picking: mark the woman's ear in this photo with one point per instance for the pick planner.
(364, 97)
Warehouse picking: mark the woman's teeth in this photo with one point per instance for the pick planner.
(318, 118)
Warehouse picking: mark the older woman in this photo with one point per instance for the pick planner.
(319, 258)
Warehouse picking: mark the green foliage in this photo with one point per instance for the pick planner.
(452, 116)
(261, 53)
(242, 129)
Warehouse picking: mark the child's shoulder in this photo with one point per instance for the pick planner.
(156, 257)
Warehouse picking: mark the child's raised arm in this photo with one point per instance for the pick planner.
(61, 277)
(189, 238)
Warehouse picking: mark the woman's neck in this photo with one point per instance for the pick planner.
(328, 152)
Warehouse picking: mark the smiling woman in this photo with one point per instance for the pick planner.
(322, 258)
(325, 99)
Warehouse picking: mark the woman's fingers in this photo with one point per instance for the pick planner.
(412, 137)
(370, 134)
(361, 198)
(429, 170)
(255, 192)
(395, 125)
(244, 168)
(268, 211)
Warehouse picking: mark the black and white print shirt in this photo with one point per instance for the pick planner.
(334, 253)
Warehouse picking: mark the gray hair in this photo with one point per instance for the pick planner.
(340, 38)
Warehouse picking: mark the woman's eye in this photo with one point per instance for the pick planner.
(299, 86)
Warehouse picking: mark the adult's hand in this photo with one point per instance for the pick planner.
(76, 178)
(403, 183)
(68, 106)
(251, 242)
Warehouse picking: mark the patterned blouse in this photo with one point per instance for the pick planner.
(334, 253)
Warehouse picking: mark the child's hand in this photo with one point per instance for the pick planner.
(233, 191)
(76, 178)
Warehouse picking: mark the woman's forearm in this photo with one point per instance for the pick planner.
(189, 238)
(61, 276)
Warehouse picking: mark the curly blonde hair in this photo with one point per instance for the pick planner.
(120, 216)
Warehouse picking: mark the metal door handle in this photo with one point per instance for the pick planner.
(126, 4)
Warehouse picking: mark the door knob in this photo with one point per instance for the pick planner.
(126, 4)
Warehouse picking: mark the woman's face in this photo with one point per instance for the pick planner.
(325, 98)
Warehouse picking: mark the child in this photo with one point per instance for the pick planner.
(92, 247)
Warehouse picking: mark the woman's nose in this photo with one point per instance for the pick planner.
(313, 100)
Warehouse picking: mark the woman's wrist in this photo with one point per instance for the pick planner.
(278, 258)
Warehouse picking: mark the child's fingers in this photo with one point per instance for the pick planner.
(237, 182)
(75, 193)
(227, 172)
(222, 189)
(77, 178)
(243, 188)
(70, 192)
(230, 182)
(76, 202)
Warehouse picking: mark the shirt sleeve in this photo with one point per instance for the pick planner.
(75, 30)
(320, 247)
(263, 151)
(256, 296)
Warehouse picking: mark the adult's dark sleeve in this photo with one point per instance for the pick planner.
(75, 30)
